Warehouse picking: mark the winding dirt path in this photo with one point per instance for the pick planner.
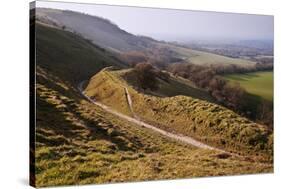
(136, 120)
(178, 137)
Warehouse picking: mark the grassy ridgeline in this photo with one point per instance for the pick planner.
(205, 121)
(69, 56)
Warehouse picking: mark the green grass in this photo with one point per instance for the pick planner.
(202, 120)
(256, 83)
(175, 86)
(69, 56)
(206, 58)
(79, 143)
(179, 86)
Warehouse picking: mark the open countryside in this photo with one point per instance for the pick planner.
(257, 83)
(116, 104)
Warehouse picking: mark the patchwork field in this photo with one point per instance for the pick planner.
(257, 83)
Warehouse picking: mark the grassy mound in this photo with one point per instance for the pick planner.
(202, 120)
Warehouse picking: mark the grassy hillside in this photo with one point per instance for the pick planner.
(256, 83)
(79, 143)
(99, 30)
(69, 56)
(174, 86)
(202, 120)
(100, 90)
(205, 58)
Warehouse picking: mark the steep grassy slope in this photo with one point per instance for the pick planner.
(205, 58)
(172, 87)
(69, 56)
(257, 83)
(202, 120)
(99, 30)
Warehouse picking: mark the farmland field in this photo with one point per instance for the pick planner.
(257, 83)
(205, 58)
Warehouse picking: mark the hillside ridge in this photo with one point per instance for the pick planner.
(100, 31)
(185, 115)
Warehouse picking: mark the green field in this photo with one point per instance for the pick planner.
(257, 83)
(205, 58)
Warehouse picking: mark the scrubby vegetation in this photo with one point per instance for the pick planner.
(146, 76)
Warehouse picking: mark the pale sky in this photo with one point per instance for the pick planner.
(168, 24)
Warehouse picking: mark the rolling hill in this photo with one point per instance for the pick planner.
(173, 86)
(185, 115)
(108, 35)
(78, 142)
(207, 59)
(68, 55)
(98, 30)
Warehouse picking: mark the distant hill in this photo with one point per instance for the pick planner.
(206, 58)
(110, 36)
(69, 56)
(99, 30)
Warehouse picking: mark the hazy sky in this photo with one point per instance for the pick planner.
(170, 24)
